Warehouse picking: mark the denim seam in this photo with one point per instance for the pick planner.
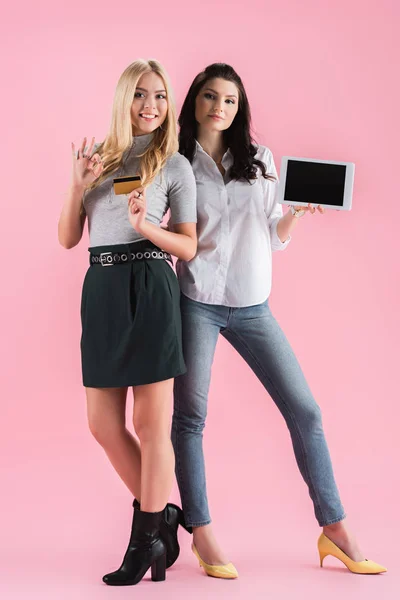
(332, 521)
(291, 417)
(177, 455)
(198, 524)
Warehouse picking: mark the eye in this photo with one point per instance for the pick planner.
(209, 96)
(161, 96)
(139, 94)
(230, 101)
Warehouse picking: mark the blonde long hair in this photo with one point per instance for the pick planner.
(120, 138)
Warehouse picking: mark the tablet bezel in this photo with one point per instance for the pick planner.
(348, 182)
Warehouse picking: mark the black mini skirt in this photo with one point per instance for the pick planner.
(131, 322)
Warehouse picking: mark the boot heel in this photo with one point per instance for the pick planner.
(158, 569)
(181, 519)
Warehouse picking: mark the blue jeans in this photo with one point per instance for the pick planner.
(256, 335)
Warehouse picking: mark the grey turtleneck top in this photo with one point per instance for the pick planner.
(174, 188)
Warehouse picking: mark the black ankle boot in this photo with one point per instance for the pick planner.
(146, 549)
(171, 519)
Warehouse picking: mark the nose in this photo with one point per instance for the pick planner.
(217, 108)
(149, 102)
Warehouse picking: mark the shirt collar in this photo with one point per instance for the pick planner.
(140, 143)
(227, 159)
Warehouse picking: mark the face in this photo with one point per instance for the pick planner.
(150, 105)
(217, 104)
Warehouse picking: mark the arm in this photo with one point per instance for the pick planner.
(287, 223)
(285, 226)
(180, 239)
(72, 219)
(280, 226)
(182, 242)
(85, 169)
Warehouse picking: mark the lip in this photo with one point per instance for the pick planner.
(149, 118)
(216, 117)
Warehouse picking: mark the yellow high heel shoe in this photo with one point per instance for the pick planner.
(227, 571)
(364, 567)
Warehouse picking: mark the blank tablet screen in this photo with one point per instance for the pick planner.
(318, 183)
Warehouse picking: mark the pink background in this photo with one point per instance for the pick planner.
(322, 79)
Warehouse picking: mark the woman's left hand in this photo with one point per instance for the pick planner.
(311, 209)
(137, 208)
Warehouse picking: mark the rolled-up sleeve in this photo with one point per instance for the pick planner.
(273, 209)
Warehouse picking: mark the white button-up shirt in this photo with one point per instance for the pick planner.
(236, 229)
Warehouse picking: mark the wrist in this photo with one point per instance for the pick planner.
(78, 187)
(296, 213)
(143, 228)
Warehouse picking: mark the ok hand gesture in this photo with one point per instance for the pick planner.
(85, 167)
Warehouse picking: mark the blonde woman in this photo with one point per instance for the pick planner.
(131, 328)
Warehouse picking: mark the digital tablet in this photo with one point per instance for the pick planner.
(308, 180)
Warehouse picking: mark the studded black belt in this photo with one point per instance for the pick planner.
(109, 259)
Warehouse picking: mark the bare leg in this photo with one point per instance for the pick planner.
(106, 417)
(346, 541)
(207, 546)
(151, 419)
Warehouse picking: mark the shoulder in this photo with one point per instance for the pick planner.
(178, 168)
(178, 162)
(264, 154)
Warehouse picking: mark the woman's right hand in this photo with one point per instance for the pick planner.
(85, 167)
